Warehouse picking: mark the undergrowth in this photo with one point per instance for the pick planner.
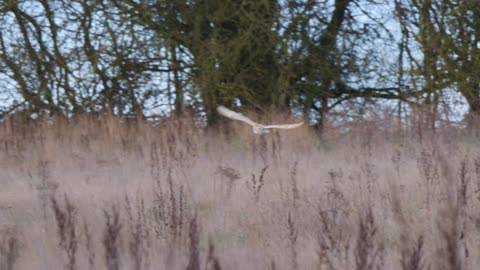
(103, 193)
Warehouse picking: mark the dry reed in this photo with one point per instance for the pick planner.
(145, 195)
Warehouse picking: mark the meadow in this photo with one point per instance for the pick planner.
(105, 193)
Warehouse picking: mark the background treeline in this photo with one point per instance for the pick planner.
(325, 60)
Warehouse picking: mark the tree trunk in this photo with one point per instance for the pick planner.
(328, 42)
(179, 101)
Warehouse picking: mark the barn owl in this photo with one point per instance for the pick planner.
(257, 128)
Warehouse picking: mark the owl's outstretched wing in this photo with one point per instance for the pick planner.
(236, 116)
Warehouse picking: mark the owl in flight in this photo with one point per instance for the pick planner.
(257, 128)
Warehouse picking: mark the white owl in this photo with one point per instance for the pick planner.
(257, 128)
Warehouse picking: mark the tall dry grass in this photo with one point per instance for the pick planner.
(104, 193)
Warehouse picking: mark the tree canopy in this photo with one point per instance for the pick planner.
(325, 59)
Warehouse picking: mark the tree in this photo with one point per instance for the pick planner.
(332, 55)
(133, 57)
(448, 34)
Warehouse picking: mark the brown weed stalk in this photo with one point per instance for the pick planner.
(111, 238)
(65, 218)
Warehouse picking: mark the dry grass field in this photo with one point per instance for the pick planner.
(91, 193)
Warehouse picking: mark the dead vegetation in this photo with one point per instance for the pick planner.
(102, 193)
